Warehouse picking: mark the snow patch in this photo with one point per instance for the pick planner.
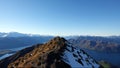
(71, 60)
(76, 58)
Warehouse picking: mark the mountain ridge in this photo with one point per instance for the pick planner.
(54, 54)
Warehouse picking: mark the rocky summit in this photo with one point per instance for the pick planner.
(57, 53)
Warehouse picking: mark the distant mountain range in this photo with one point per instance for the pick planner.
(15, 40)
(104, 44)
(17, 34)
(57, 53)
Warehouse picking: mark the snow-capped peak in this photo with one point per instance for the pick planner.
(16, 34)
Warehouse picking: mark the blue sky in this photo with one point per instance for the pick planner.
(61, 17)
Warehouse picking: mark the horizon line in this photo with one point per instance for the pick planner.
(57, 35)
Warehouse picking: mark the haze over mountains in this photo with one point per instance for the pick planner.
(13, 34)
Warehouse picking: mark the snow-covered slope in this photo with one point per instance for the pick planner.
(78, 58)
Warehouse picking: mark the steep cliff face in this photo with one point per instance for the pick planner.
(57, 53)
